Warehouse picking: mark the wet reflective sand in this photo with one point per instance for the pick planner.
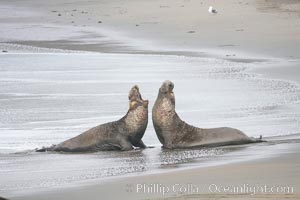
(48, 98)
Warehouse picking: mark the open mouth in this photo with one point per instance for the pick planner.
(172, 93)
(135, 95)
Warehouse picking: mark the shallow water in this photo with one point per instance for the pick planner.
(50, 97)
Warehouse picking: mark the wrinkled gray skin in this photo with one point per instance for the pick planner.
(124, 134)
(174, 133)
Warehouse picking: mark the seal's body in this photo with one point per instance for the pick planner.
(173, 133)
(124, 134)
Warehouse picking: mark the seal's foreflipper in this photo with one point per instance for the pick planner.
(125, 145)
(140, 144)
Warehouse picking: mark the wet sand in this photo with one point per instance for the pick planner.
(281, 170)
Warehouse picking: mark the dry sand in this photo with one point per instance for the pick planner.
(254, 27)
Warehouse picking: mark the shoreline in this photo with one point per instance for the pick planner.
(232, 157)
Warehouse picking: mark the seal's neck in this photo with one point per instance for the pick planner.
(166, 102)
(136, 118)
(164, 111)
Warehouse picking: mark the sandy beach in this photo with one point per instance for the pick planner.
(237, 68)
(181, 25)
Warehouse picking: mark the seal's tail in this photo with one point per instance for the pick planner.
(260, 139)
(45, 149)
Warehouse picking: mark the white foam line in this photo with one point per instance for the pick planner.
(156, 53)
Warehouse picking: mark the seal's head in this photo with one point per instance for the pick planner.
(135, 98)
(166, 91)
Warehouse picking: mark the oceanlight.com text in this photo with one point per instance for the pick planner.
(190, 188)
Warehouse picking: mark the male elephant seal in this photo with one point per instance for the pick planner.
(123, 134)
(174, 133)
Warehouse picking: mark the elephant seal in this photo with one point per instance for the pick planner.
(174, 133)
(124, 134)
